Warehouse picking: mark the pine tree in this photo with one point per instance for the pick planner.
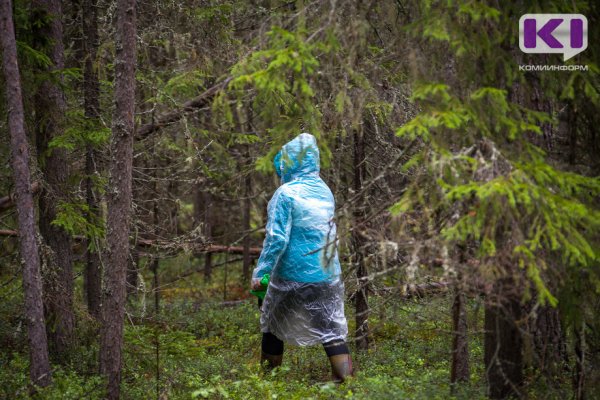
(119, 198)
(50, 108)
(39, 368)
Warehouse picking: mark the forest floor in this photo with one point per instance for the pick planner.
(210, 348)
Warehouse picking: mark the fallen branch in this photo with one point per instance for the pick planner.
(173, 116)
(216, 248)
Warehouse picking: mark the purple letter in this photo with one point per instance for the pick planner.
(576, 33)
(530, 33)
(545, 33)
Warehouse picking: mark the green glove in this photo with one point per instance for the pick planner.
(264, 281)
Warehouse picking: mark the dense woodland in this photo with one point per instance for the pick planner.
(137, 140)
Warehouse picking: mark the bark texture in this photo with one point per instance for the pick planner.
(39, 367)
(50, 109)
(119, 198)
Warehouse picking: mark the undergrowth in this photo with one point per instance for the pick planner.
(206, 343)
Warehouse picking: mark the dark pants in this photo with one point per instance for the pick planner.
(273, 346)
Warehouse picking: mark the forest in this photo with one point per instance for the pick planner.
(141, 143)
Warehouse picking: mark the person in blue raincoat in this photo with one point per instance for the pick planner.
(304, 303)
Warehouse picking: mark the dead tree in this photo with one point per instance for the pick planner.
(39, 364)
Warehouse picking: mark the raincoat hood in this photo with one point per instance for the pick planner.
(298, 157)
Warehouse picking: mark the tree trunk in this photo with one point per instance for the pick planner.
(91, 101)
(50, 110)
(549, 340)
(361, 299)
(39, 365)
(119, 198)
(93, 272)
(246, 226)
(572, 118)
(208, 232)
(503, 343)
(460, 348)
(198, 204)
(156, 290)
(579, 376)
(132, 273)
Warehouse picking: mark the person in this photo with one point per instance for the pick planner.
(304, 302)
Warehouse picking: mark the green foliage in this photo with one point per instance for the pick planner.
(456, 23)
(77, 219)
(81, 132)
(67, 383)
(480, 180)
(183, 86)
(466, 121)
(35, 57)
(213, 13)
(283, 75)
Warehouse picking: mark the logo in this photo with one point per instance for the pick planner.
(553, 33)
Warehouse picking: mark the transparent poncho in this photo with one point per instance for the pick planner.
(304, 304)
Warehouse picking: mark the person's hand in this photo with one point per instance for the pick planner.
(256, 285)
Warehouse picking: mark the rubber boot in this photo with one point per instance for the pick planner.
(270, 361)
(341, 367)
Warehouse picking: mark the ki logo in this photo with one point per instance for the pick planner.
(553, 33)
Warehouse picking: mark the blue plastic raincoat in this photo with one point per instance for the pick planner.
(304, 303)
